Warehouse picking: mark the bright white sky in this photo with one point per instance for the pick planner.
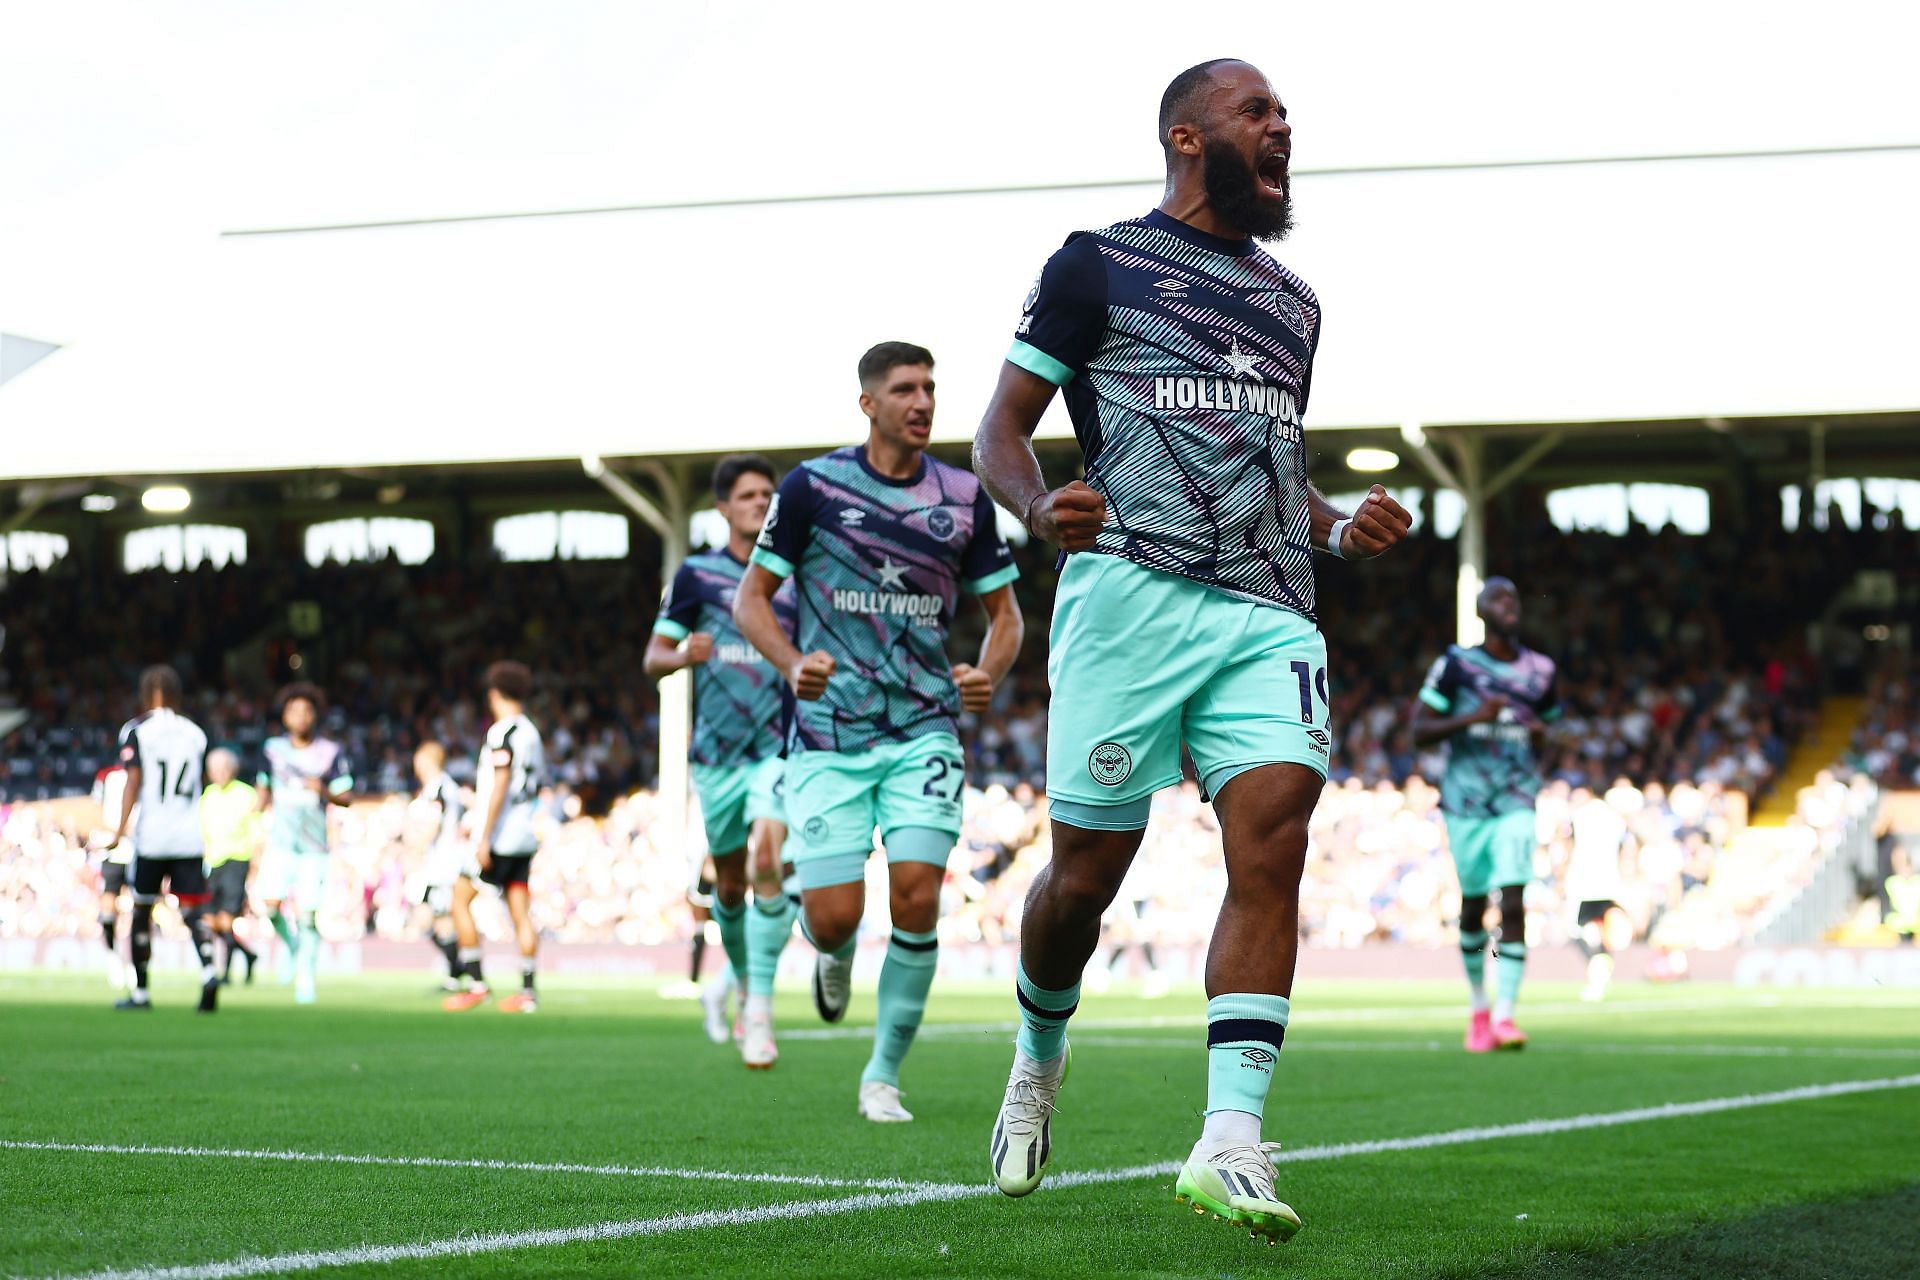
(134, 132)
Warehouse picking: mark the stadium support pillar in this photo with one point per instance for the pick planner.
(1467, 482)
(669, 519)
(1468, 629)
(1468, 478)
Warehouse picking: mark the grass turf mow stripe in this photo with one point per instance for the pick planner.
(447, 1162)
(468, 1246)
(1383, 1013)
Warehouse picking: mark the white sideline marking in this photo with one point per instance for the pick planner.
(441, 1162)
(468, 1246)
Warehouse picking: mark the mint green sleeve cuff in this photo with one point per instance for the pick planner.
(341, 785)
(1552, 715)
(1437, 700)
(772, 563)
(671, 630)
(998, 578)
(1039, 363)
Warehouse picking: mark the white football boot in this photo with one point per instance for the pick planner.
(1236, 1184)
(880, 1102)
(1023, 1134)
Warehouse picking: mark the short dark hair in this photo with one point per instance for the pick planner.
(727, 472)
(163, 680)
(1184, 94)
(883, 358)
(509, 679)
(301, 691)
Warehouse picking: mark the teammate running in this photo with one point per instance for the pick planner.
(163, 753)
(513, 764)
(739, 707)
(305, 774)
(441, 795)
(1488, 703)
(229, 822)
(880, 540)
(1185, 610)
(109, 787)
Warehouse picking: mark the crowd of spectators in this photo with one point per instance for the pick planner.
(1681, 657)
(1684, 675)
(1377, 867)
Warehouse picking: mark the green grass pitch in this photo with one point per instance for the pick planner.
(624, 1086)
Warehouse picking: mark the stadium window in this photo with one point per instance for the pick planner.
(1851, 499)
(562, 535)
(410, 541)
(1611, 508)
(176, 547)
(709, 529)
(31, 549)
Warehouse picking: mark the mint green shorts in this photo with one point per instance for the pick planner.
(734, 797)
(1142, 662)
(907, 791)
(1492, 853)
(296, 877)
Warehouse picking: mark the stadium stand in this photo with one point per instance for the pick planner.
(1685, 672)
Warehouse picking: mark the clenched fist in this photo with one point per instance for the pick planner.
(809, 675)
(1070, 517)
(699, 647)
(975, 685)
(1377, 524)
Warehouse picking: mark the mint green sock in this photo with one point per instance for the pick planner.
(1473, 954)
(769, 925)
(1043, 1016)
(307, 951)
(905, 979)
(1244, 1032)
(733, 931)
(1513, 967)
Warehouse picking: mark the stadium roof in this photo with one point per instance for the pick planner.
(1773, 286)
(1610, 292)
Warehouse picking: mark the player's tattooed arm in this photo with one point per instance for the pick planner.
(1006, 628)
(1374, 528)
(1070, 516)
(753, 613)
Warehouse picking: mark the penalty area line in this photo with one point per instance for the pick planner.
(497, 1242)
(448, 1162)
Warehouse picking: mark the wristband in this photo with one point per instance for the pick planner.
(1335, 535)
(1026, 517)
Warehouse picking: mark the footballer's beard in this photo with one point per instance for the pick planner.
(1233, 190)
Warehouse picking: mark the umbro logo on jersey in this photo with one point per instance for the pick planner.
(852, 516)
(1171, 288)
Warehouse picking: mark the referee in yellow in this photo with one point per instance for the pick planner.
(230, 822)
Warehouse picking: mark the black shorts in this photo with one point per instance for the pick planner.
(1593, 909)
(185, 878)
(504, 869)
(113, 877)
(227, 883)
